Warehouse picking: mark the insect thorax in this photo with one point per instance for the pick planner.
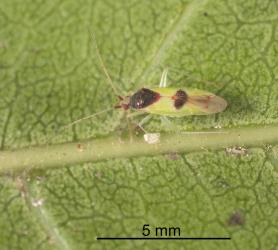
(143, 98)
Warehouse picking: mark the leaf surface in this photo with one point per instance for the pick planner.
(50, 76)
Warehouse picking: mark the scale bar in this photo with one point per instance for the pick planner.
(163, 238)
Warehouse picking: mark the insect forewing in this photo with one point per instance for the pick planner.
(207, 103)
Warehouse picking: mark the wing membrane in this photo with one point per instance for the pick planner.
(207, 103)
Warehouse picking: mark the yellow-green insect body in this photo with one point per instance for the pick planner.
(175, 102)
(164, 101)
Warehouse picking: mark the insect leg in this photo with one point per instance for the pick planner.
(163, 80)
(129, 128)
(144, 120)
(167, 123)
(150, 138)
(129, 115)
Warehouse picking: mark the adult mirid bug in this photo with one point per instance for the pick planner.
(173, 102)
(163, 101)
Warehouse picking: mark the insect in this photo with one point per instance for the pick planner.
(173, 102)
(164, 101)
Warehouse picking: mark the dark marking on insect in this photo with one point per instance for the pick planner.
(143, 98)
(205, 14)
(180, 98)
(236, 219)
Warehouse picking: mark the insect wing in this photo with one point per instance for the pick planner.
(206, 103)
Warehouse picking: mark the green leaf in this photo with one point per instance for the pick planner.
(50, 76)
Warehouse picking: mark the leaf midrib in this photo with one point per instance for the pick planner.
(93, 150)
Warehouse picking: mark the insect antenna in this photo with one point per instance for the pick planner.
(87, 117)
(57, 131)
(109, 80)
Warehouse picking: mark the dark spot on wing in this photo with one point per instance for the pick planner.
(180, 99)
(143, 98)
